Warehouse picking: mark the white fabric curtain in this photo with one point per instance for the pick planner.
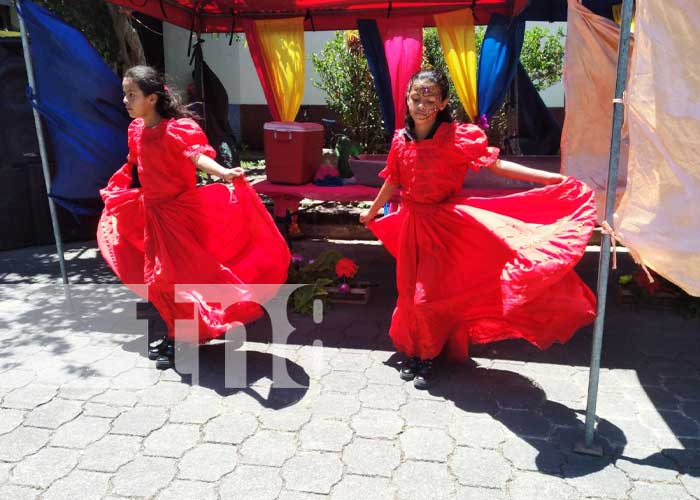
(659, 214)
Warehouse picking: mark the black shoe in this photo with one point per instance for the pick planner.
(424, 375)
(164, 362)
(408, 371)
(157, 349)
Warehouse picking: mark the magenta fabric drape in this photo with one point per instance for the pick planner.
(256, 53)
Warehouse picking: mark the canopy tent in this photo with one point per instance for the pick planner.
(234, 15)
(225, 16)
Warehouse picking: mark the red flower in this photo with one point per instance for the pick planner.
(346, 268)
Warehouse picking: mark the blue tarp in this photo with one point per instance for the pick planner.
(500, 53)
(79, 98)
(376, 59)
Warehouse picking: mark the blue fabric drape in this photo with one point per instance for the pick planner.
(79, 98)
(498, 61)
(373, 46)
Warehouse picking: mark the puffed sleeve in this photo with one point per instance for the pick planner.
(472, 142)
(188, 138)
(390, 173)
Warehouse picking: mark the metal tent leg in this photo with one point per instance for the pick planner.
(587, 446)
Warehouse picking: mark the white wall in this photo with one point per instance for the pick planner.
(233, 65)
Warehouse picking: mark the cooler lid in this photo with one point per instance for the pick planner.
(293, 126)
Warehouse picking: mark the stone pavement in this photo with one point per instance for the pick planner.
(84, 414)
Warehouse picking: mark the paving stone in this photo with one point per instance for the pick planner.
(474, 493)
(164, 394)
(352, 487)
(327, 468)
(140, 421)
(421, 443)
(298, 495)
(188, 490)
(426, 413)
(533, 455)
(381, 374)
(110, 453)
(115, 364)
(80, 432)
(54, 414)
(143, 477)
(100, 410)
(606, 483)
(351, 361)
(16, 378)
(533, 486)
(10, 491)
(386, 397)
(325, 435)
(479, 432)
(334, 405)
(647, 491)
(372, 457)
(208, 462)
(10, 419)
(478, 467)
(5, 471)
(268, 448)
(285, 419)
(525, 423)
(198, 408)
(115, 397)
(81, 484)
(43, 468)
(679, 424)
(137, 378)
(22, 441)
(251, 482)
(372, 423)
(231, 428)
(84, 389)
(171, 440)
(683, 388)
(691, 483)
(29, 397)
(422, 480)
(345, 382)
(647, 465)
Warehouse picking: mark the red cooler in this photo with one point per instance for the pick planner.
(292, 151)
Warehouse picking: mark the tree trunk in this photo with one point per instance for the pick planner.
(130, 48)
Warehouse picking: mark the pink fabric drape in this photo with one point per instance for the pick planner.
(256, 53)
(403, 45)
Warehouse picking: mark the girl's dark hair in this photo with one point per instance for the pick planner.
(440, 79)
(150, 82)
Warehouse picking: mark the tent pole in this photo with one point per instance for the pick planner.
(42, 143)
(587, 446)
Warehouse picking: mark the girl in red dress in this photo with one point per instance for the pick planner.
(159, 229)
(475, 270)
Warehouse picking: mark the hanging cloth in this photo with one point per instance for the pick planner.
(498, 62)
(376, 59)
(277, 50)
(590, 69)
(403, 46)
(658, 218)
(456, 32)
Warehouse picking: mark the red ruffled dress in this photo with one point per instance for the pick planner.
(477, 270)
(179, 239)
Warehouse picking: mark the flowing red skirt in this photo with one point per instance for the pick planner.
(477, 270)
(185, 247)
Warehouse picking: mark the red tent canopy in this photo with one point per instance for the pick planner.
(223, 16)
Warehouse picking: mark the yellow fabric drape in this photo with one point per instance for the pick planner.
(282, 43)
(456, 32)
(617, 15)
